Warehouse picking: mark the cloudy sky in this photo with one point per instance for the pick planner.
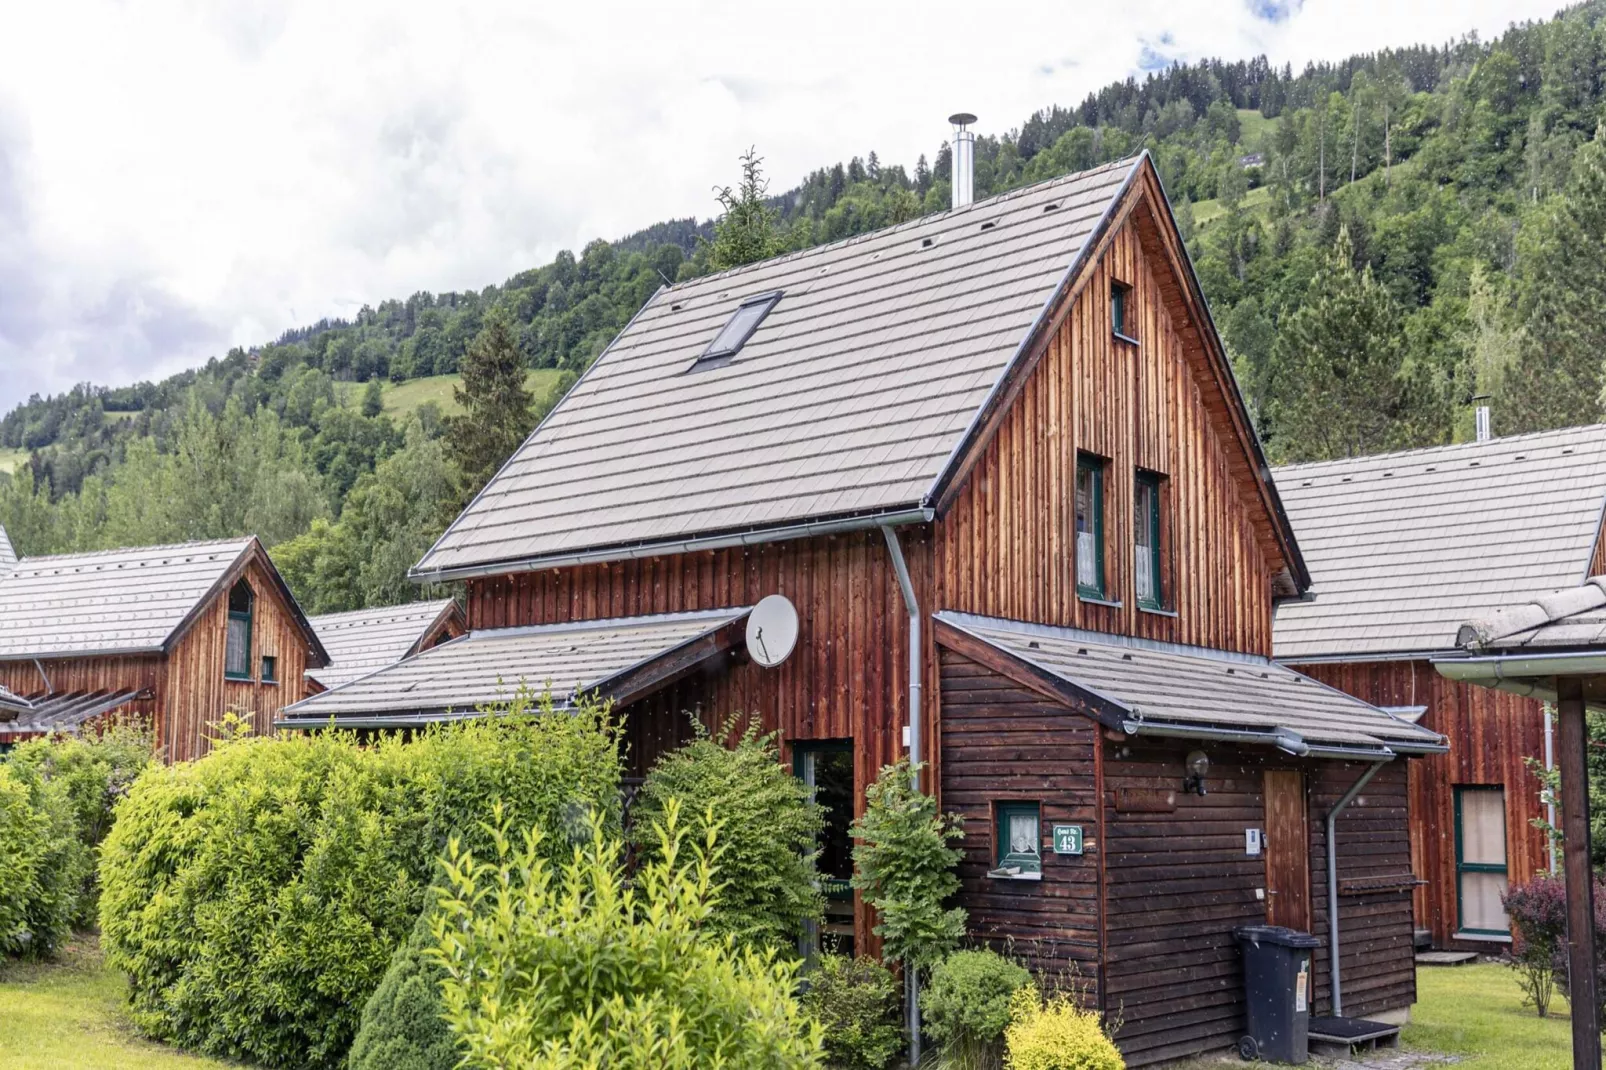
(180, 177)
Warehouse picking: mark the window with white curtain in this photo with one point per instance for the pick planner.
(1480, 859)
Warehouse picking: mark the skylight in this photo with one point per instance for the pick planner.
(740, 327)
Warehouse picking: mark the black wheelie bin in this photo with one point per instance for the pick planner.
(1277, 992)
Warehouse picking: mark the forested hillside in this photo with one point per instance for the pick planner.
(1383, 240)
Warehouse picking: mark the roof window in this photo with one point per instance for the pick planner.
(739, 328)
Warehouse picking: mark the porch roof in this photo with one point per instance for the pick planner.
(12, 704)
(1143, 687)
(67, 711)
(621, 658)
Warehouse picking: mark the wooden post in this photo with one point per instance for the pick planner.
(1580, 878)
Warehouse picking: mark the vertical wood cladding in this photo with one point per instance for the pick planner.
(1180, 881)
(1005, 548)
(1004, 743)
(1490, 734)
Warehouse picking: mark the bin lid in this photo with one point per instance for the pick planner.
(1275, 934)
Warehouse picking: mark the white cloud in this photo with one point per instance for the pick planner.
(179, 177)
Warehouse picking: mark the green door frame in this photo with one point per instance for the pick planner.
(1475, 867)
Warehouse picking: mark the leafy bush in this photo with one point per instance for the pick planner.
(857, 1003)
(403, 1025)
(966, 1005)
(1538, 912)
(551, 969)
(1560, 967)
(768, 832)
(1056, 1035)
(43, 863)
(93, 771)
(905, 868)
(254, 898)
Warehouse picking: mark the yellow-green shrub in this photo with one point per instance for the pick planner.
(42, 863)
(1056, 1035)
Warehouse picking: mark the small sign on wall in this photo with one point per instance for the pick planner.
(1067, 839)
(1251, 841)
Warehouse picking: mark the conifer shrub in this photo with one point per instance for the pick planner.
(403, 1026)
(856, 1002)
(255, 898)
(1056, 1034)
(966, 1006)
(567, 967)
(768, 832)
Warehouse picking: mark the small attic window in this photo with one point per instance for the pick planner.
(739, 328)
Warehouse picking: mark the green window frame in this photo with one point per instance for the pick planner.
(237, 637)
(1089, 523)
(1476, 871)
(1015, 851)
(270, 669)
(1149, 578)
(1120, 298)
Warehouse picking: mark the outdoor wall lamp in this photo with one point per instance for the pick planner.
(1196, 765)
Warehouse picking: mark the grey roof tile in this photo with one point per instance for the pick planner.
(1558, 620)
(363, 640)
(1171, 684)
(8, 554)
(1404, 547)
(12, 704)
(850, 397)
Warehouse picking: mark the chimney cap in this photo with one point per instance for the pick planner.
(963, 118)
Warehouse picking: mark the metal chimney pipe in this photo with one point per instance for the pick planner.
(964, 162)
(1483, 423)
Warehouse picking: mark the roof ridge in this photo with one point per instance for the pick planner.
(1579, 430)
(91, 554)
(908, 224)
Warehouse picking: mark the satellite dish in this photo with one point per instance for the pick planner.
(771, 631)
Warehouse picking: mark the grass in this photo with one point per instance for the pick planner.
(1251, 127)
(11, 459)
(1205, 212)
(68, 1015)
(1477, 1012)
(402, 398)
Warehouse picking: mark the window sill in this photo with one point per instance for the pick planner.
(1482, 938)
(997, 876)
(1158, 611)
(1127, 338)
(1095, 600)
(231, 678)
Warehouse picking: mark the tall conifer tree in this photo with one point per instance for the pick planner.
(497, 413)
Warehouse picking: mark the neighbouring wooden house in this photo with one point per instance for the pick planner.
(363, 640)
(1402, 548)
(173, 635)
(996, 461)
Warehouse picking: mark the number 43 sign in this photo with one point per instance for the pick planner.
(1067, 839)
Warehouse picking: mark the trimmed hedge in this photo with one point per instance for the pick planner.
(255, 897)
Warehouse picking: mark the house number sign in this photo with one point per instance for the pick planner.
(1067, 839)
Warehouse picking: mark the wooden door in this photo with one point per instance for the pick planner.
(1287, 851)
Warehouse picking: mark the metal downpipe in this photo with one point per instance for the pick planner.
(1336, 990)
(911, 974)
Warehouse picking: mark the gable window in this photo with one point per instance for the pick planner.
(1089, 526)
(738, 329)
(237, 646)
(1018, 841)
(1121, 324)
(1480, 860)
(1146, 551)
(270, 669)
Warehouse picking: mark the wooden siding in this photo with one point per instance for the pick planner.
(1005, 548)
(1002, 743)
(1490, 733)
(196, 691)
(1180, 880)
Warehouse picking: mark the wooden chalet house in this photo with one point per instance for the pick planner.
(996, 461)
(364, 640)
(1402, 548)
(175, 635)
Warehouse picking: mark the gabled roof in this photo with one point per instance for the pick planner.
(8, 554)
(619, 658)
(848, 401)
(118, 602)
(1404, 547)
(1145, 687)
(363, 640)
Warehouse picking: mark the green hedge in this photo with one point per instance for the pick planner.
(255, 897)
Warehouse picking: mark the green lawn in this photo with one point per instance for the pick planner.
(1251, 126)
(1206, 212)
(1477, 1012)
(69, 1015)
(10, 459)
(402, 398)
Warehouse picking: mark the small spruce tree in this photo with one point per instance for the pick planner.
(497, 413)
(749, 230)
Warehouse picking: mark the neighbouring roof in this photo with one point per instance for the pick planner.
(67, 711)
(1560, 620)
(848, 401)
(8, 554)
(454, 680)
(1404, 547)
(12, 704)
(363, 640)
(118, 602)
(1170, 689)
